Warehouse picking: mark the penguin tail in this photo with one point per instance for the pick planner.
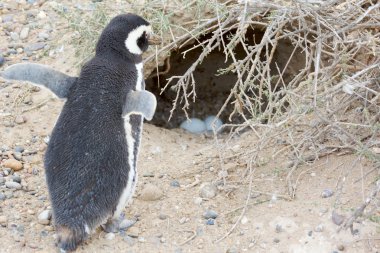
(69, 238)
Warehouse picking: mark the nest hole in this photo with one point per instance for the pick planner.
(212, 89)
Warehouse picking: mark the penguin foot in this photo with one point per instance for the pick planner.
(69, 239)
(112, 226)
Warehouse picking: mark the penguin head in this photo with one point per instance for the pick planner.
(128, 35)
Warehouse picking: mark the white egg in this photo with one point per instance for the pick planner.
(209, 121)
(194, 125)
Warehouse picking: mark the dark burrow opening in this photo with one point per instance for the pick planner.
(211, 88)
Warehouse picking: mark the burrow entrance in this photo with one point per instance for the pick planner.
(212, 89)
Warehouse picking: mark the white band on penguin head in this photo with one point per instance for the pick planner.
(133, 36)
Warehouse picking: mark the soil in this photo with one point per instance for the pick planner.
(174, 223)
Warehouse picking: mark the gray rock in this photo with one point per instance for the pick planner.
(16, 178)
(13, 185)
(2, 180)
(276, 240)
(14, 36)
(163, 216)
(24, 33)
(2, 196)
(327, 193)
(207, 191)
(44, 217)
(2, 60)
(210, 214)
(337, 218)
(19, 149)
(174, 183)
(35, 46)
(43, 35)
(17, 156)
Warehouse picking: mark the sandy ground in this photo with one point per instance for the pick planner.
(178, 164)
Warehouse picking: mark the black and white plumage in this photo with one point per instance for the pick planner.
(91, 158)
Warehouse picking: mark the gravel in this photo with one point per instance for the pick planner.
(207, 191)
(210, 214)
(44, 217)
(13, 185)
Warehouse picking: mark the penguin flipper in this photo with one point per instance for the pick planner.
(41, 75)
(140, 102)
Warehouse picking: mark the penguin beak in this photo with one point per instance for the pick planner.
(154, 39)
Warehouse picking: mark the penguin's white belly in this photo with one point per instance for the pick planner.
(130, 188)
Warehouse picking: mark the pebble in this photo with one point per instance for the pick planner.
(174, 183)
(133, 232)
(207, 191)
(163, 216)
(151, 193)
(44, 217)
(20, 119)
(279, 228)
(276, 240)
(43, 35)
(24, 33)
(19, 149)
(319, 228)
(341, 247)
(125, 224)
(210, 222)
(233, 249)
(2, 196)
(244, 220)
(13, 164)
(3, 220)
(41, 15)
(193, 125)
(198, 201)
(337, 218)
(327, 193)
(13, 185)
(17, 156)
(110, 236)
(210, 214)
(14, 36)
(2, 180)
(35, 46)
(2, 60)
(16, 178)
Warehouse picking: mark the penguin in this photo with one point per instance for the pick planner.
(91, 158)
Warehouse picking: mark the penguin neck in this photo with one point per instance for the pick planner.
(123, 56)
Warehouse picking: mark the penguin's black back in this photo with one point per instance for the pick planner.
(87, 153)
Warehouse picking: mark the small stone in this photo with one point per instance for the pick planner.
(337, 218)
(174, 183)
(233, 249)
(41, 15)
(310, 233)
(198, 201)
(2, 196)
(163, 216)
(19, 149)
(17, 156)
(20, 119)
(207, 191)
(162, 240)
(276, 240)
(126, 224)
(244, 220)
(2, 180)
(34, 47)
(24, 33)
(133, 232)
(47, 139)
(210, 222)
(341, 247)
(278, 228)
(13, 185)
(2, 60)
(14, 36)
(210, 214)
(327, 193)
(13, 164)
(183, 220)
(16, 178)
(151, 193)
(43, 35)
(44, 217)
(319, 228)
(110, 236)
(3, 220)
